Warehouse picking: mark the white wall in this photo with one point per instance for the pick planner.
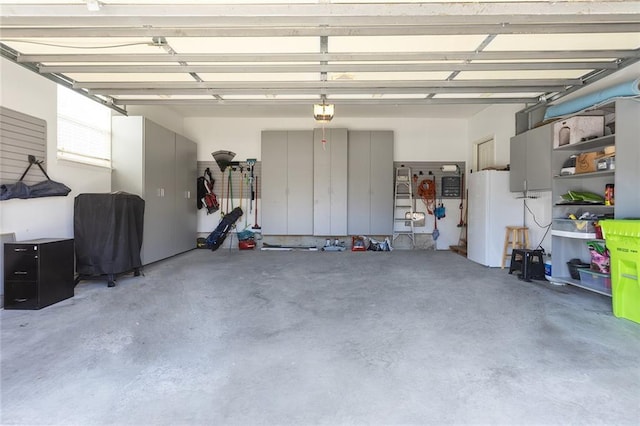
(29, 93)
(415, 140)
(497, 122)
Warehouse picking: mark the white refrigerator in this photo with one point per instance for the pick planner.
(491, 207)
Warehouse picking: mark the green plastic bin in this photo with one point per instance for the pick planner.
(623, 242)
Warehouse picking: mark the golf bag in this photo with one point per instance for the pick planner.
(217, 237)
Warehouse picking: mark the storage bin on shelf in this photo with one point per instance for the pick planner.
(574, 228)
(623, 242)
(574, 265)
(595, 280)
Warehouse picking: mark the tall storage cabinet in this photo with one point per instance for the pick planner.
(330, 182)
(186, 170)
(161, 167)
(370, 183)
(287, 182)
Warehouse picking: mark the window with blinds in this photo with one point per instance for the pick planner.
(84, 129)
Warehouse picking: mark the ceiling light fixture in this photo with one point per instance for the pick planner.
(93, 5)
(323, 113)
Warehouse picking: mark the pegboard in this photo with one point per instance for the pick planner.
(236, 178)
(433, 169)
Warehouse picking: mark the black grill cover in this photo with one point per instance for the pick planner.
(108, 233)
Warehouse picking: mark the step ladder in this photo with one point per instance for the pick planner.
(404, 205)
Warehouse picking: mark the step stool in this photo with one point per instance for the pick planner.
(515, 237)
(530, 263)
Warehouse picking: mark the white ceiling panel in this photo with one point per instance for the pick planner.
(244, 44)
(259, 77)
(519, 75)
(405, 43)
(565, 41)
(391, 76)
(117, 77)
(486, 95)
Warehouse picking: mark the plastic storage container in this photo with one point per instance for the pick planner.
(595, 280)
(574, 265)
(577, 226)
(623, 241)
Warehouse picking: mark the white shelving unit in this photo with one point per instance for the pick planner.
(567, 243)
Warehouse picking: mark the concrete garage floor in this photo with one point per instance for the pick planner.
(302, 338)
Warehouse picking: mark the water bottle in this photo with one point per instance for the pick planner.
(547, 267)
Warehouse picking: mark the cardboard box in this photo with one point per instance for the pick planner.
(586, 162)
(575, 129)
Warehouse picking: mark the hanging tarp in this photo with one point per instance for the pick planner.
(46, 188)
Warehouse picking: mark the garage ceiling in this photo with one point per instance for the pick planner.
(412, 57)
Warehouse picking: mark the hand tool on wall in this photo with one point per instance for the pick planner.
(256, 226)
(461, 223)
(222, 212)
(241, 187)
(436, 233)
(251, 162)
(231, 186)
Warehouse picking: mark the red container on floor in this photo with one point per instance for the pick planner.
(246, 244)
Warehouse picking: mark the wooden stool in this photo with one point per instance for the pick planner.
(516, 237)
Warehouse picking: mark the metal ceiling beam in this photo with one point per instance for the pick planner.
(370, 84)
(45, 31)
(430, 101)
(314, 68)
(334, 91)
(606, 11)
(333, 57)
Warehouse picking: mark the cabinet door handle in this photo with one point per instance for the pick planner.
(159, 191)
(19, 249)
(20, 273)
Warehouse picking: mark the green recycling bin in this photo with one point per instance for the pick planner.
(623, 242)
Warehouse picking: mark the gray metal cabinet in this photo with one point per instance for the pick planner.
(159, 195)
(330, 182)
(287, 182)
(518, 162)
(627, 128)
(186, 169)
(370, 183)
(156, 164)
(530, 160)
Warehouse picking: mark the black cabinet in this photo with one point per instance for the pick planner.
(37, 273)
